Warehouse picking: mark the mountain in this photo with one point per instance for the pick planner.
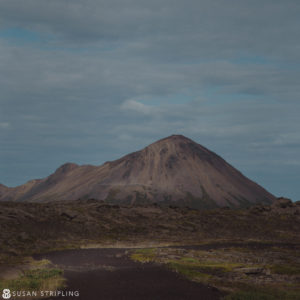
(3, 189)
(174, 170)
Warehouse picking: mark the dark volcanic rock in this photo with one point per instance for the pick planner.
(282, 206)
(283, 203)
(35, 226)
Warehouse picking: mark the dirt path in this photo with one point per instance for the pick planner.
(109, 274)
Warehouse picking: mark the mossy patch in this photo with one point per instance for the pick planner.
(189, 271)
(38, 279)
(202, 271)
(144, 255)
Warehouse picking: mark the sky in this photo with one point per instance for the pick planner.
(89, 81)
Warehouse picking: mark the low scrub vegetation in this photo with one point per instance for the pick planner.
(32, 280)
(144, 255)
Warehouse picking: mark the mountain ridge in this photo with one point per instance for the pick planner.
(174, 169)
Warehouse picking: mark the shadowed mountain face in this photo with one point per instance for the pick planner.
(172, 170)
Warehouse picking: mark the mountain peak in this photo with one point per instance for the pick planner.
(181, 147)
(174, 141)
(175, 138)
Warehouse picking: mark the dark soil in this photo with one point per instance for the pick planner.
(110, 274)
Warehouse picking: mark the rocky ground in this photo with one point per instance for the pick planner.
(258, 247)
(253, 270)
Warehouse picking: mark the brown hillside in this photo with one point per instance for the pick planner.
(173, 170)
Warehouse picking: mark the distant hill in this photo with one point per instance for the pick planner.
(174, 170)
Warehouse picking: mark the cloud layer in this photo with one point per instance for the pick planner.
(88, 81)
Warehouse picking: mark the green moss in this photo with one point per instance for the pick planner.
(213, 265)
(189, 260)
(144, 255)
(198, 270)
(189, 271)
(34, 280)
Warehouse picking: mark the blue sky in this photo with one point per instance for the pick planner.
(89, 81)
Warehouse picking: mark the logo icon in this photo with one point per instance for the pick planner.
(6, 294)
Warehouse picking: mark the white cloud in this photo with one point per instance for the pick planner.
(4, 125)
(138, 107)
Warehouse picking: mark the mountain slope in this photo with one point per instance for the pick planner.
(174, 170)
